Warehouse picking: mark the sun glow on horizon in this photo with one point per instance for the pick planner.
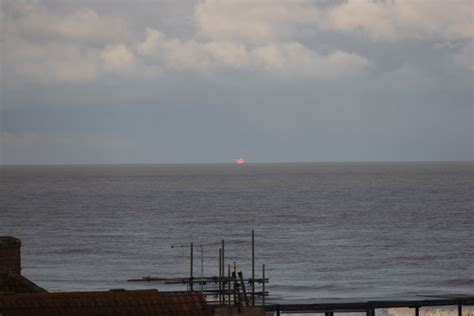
(239, 161)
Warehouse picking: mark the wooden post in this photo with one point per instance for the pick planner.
(202, 267)
(191, 270)
(253, 267)
(243, 288)
(223, 257)
(459, 308)
(417, 311)
(234, 276)
(223, 272)
(228, 286)
(220, 276)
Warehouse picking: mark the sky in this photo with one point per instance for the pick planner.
(167, 81)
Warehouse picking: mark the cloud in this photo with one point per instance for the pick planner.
(117, 58)
(82, 45)
(87, 25)
(52, 62)
(275, 26)
(151, 42)
(295, 59)
(263, 21)
(192, 55)
(279, 57)
(403, 19)
(48, 45)
(275, 29)
(31, 20)
(78, 46)
(252, 21)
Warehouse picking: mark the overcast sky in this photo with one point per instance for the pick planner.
(181, 81)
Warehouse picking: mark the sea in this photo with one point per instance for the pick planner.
(323, 230)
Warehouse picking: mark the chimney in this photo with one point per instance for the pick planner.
(10, 260)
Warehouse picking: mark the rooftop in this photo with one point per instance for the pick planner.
(113, 302)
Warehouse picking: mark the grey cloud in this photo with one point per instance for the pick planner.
(192, 97)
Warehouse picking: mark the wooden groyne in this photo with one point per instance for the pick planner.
(231, 288)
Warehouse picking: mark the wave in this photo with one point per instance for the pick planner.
(458, 282)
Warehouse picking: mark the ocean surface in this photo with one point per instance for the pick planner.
(322, 229)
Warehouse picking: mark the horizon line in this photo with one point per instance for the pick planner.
(233, 163)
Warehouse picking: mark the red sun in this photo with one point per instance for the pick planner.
(239, 161)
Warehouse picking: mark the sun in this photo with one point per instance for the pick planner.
(239, 161)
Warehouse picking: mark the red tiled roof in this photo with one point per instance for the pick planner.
(114, 302)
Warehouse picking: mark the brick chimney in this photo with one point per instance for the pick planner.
(10, 260)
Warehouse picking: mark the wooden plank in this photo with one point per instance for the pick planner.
(242, 284)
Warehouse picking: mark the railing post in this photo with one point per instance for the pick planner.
(253, 267)
(191, 270)
(370, 311)
(263, 285)
(219, 281)
(223, 273)
(228, 285)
